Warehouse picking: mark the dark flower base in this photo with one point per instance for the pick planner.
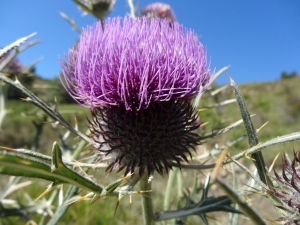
(148, 139)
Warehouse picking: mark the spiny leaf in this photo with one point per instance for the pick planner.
(17, 165)
(251, 132)
(111, 187)
(205, 205)
(70, 175)
(42, 105)
(15, 44)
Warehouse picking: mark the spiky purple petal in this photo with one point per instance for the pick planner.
(134, 62)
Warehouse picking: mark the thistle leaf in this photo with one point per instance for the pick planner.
(205, 205)
(70, 175)
(251, 132)
(15, 44)
(19, 165)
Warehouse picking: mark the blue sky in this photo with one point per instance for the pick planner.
(258, 38)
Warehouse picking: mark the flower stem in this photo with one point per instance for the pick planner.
(170, 186)
(179, 184)
(147, 201)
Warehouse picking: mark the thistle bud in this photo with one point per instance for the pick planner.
(98, 8)
(159, 10)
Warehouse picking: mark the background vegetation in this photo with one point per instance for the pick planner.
(277, 102)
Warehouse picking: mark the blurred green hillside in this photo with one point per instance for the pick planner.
(277, 102)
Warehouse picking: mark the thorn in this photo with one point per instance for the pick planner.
(52, 169)
(219, 164)
(142, 192)
(201, 110)
(16, 80)
(85, 174)
(262, 126)
(26, 99)
(56, 123)
(9, 149)
(127, 176)
(273, 163)
(118, 202)
(130, 200)
(60, 195)
(203, 124)
(104, 183)
(31, 222)
(49, 188)
(248, 199)
(95, 199)
(76, 138)
(107, 175)
(271, 221)
(75, 164)
(82, 198)
(76, 124)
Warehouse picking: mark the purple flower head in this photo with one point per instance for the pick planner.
(159, 10)
(133, 63)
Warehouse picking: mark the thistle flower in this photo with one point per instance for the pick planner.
(160, 10)
(138, 77)
(288, 190)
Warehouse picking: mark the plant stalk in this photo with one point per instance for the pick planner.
(170, 186)
(147, 201)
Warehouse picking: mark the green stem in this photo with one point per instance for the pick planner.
(179, 191)
(147, 201)
(179, 184)
(169, 188)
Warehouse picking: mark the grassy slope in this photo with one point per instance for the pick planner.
(277, 102)
(21, 117)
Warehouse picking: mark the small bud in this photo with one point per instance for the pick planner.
(159, 10)
(98, 8)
